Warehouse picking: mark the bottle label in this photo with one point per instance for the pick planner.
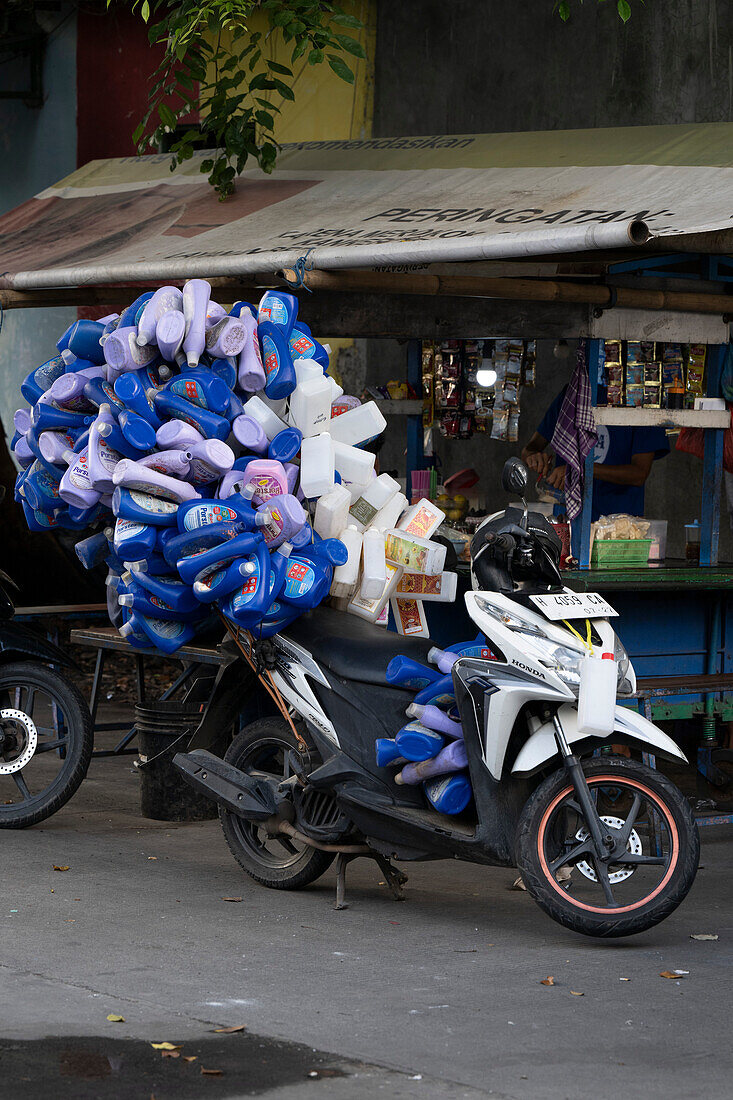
(46, 483)
(151, 503)
(344, 404)
(201, 472)
(271, 360)
(140, 355)
(363, 511)
(420, 584)
(437, 789)
(107, 456)
(299, 579)
(406, 553)
(110, 394)
(274, 526)
(79, 473)
(203, 514)
(275, 310)
(247, 592)
(256, 346)
(423, 523)
(266, 487)
(45, 521)
(127, 529)
(301, 346)
(167, 628)
(190, 390)
(410, 619)
(157, 602)
(45, 375)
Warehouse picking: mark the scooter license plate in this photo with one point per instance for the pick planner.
(573, 605)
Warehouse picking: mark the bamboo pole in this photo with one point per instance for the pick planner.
(526, 290)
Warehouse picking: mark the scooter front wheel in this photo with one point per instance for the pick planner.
(651, 854)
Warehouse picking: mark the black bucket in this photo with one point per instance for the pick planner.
(163, 729)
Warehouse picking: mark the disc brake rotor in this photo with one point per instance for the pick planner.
(21, 728)
(633, 846)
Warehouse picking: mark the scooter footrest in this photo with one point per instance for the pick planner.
(248, 796)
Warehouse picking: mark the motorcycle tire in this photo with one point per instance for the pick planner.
(265, 745)
(619, 786)
(42, 694)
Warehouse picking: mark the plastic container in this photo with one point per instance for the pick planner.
(387, 753)
(438, 588)
(416, 742)
(404, 672)
(597, 696)
(414, 554)
(310, 406)
(374, 567)
(345, 576)
(449, 796)
(435, 719)
(226, 338)
(376, 495)
(452, 758)
(278, 365)
(353, 465)
(196, 295)
(265, 416)
(164, 729)
(358, 425)
(658, 535)
(332, 512)
(692, 542)
(250, 370)
(620, 553)
(316, 465)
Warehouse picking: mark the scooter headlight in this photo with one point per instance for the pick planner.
(623, 664)
(563, 662)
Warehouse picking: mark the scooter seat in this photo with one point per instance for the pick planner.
(353, 648)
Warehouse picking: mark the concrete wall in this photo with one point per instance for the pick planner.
(37, 147)
(473, 66)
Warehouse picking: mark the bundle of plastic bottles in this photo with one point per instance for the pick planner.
(430, 749)
(217, 462)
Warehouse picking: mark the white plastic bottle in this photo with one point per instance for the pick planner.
(374, 567)
(352, 464)
(306, 369)
(376, 495)
(316, 465)
(388, 516)
(310, 406)
(345, 576)
(358, 425)
(264, 415)
(332, 512)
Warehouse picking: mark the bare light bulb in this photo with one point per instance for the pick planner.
(485, 378)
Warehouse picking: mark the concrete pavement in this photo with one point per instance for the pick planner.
(436, 997)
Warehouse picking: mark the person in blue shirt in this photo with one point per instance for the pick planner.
(622, 462)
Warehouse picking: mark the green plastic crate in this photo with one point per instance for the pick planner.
(620, 553)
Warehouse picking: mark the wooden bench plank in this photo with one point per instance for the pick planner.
(108, 638)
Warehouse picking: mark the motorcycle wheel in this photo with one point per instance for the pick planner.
(277, 862)
(652, 874)
(46, 741)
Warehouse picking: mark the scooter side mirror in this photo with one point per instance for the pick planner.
(514, 477)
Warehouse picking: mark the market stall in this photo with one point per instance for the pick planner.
(424, 240)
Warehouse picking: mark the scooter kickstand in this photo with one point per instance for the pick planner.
(342, 862)
(395, 878)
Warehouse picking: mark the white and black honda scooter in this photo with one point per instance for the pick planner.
(605, 845)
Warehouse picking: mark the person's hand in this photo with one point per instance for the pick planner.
(539, 462)
(557, 478)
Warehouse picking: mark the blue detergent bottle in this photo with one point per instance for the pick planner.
(247, 604)
(278, 616)
(194, 566)
(81, 518)
(202, 388)
(165, 635)
(286, 445)
(177, 595)
(39, 521)
(326, 551)
(138, 433)
(145, 602)
(240, 307)
(440, 693)
(93, 550)
(307, 581)
(83, 341)
(33, 442)
(235, 407)
(279, 369)
(45, 417)
(110, 431)
(416, 742)
(175, 546)
(171, 406)
(449, 794)
(143, 508)
(129, 317)
(303, 538)
(135, 397)
(237, 508)
(387, 752)
(41, 489)
(279, 569)
(133, 540)
(100, 392)
(226, 370)
(154, 564)
(303, 346)
(278, 308)
(41, 379)
(220, 583)
(63, 341)
(404, 672)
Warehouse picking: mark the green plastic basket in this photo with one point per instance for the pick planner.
(620, 553)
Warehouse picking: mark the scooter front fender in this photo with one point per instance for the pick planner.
(542, 747)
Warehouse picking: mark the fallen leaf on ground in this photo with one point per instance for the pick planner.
(549, 980)
(170, 1054)
(704, 936)
(518, 884)
(115, 1019)
(190, 1057)
(230, 1030)
(211, 1072)
(166, 1046)
(58, 867)
(624, 979)
(673, 973)
(231, 899)
(152, 857)
(574, 993)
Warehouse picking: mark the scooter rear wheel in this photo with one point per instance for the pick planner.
(656, 855)
(280, 863)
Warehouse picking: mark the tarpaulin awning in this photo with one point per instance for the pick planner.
(384, 202)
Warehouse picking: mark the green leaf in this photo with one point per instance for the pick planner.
(563, 10)
(284, 89)
(624, 10)
(340, 67)
(344, 20)
(350, 45)
(145, 11)
(282, 69)
(138, 133)
(166, 116)
(315, 57)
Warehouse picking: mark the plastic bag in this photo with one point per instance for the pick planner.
(692, 441)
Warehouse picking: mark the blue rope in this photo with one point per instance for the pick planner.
(300, 268)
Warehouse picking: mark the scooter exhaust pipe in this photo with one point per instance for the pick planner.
(248, 796)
